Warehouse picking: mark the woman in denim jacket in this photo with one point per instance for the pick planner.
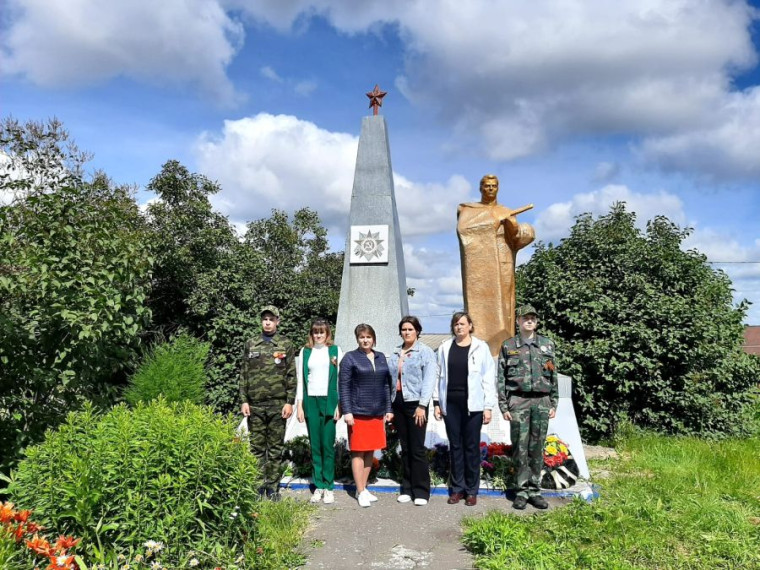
(464, 397)
(414, 369)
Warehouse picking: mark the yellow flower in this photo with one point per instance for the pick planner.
(552, 439)
(563, 448)
(551, 449)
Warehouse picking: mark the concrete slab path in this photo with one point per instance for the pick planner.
(390, 535)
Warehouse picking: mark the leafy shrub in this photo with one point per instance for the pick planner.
(169, 472)
(74, 273)
(299, 452)
(648, 332)
(174, 370)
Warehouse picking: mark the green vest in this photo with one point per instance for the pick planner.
(332, 383)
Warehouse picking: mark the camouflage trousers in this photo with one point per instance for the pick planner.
(267, 433)
(530, 422)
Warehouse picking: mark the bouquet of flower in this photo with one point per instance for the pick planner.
(556, 451)
(560, 469)
(491, 455)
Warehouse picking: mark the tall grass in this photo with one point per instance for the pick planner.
(671, 502)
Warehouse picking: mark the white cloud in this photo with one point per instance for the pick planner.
(555, 222)
(429, 208)
(531, 74)
(726, 147)
(509, 78)
(605, 172)
(269, 161)
(70, 42)
(270, 73)
(305, 88)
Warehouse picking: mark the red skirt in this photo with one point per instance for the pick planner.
(367, 433)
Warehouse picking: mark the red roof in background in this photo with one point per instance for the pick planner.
(752, 339)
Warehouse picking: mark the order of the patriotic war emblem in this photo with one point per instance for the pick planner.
(369, 246)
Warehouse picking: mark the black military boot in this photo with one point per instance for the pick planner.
(539, 502)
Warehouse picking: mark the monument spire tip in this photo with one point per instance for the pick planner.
(376, 98)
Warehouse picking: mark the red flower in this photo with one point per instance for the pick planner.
(39, 545)
(23, 516)
(65, 542)
(18, 532)
(7, 514)
(32, 527)
(555, 460)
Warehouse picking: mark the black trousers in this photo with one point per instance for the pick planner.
(416, 477)
(463, 429)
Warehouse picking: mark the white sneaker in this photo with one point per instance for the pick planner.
(363, 499)
(372, 497)
(404, 498)
(329, 497)
(420, 502)
(316, 496)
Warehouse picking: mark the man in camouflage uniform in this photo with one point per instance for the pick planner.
(528, 397)
(267, 388)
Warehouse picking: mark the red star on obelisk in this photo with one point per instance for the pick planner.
(376, 98)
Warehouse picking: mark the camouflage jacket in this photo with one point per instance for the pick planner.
(527, 367)
(268, 371)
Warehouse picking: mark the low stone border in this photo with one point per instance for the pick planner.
(583, 489)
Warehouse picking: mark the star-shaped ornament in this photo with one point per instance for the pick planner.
(376, 98)
(369, 245)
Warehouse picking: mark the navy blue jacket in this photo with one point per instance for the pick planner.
(364, 391)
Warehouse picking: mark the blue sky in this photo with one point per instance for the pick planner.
(574, 104)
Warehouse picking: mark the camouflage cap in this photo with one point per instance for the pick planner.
(270, 309)
(524, 310)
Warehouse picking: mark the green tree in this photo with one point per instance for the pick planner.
(648, 332)
(74, 270)
(282, 262)
(191, 242)
(211, 283)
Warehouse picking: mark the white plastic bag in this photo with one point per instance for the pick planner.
(242, 429)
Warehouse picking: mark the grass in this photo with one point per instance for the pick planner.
(670, 502)
(281, 528)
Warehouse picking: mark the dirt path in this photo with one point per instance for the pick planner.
(391, 535)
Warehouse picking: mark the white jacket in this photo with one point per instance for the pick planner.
(481, 377)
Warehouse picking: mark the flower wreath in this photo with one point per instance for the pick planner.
(560, 469)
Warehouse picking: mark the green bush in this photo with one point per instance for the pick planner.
(168, 472)
(648, 331)
(174, 370)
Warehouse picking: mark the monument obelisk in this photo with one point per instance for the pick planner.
(373, 289)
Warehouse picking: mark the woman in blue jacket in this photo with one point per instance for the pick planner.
(414, 370)
(464, 397)
(365, 401)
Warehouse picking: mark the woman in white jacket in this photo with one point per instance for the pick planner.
(464, 396)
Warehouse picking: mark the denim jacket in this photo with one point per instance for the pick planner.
(418, 374)
(481, 377)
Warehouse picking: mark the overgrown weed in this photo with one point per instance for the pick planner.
(670, 502)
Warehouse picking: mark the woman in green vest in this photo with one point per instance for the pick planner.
(317, 402)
